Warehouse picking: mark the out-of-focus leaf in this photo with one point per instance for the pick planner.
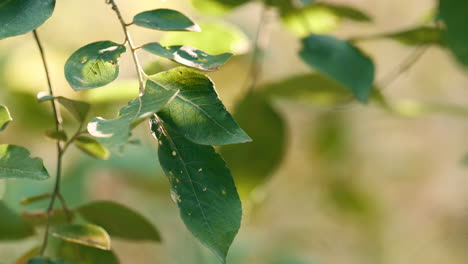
(18, 17)
(319, 18)
(93, 65)
(202, 187)
(2, 188)
(119, 221)
(78, 109)
(91, 147)
(233, 40)
(87, 235)
(78, 254)
(28, 255)
(341, 61)
(217, 7)
(189, 56)
(12, 226)
(252, 163)
(5, 117)
(313, 88)
(114, 134)
(346, 12)
(35, 198)
(165, 19)
(454, 14)
(15, 162)
(57, 135)
(196, 112)
(44, 261)
(422, 35)
(39, 217)
(348, 199)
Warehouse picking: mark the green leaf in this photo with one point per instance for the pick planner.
(2, 188)
(37, 218)
(165, 19)
(114, 134)
(5, 117)
(422, 35)
(233, 40)
(88, 235)
(28, 255)
(15, 162)
(35, 198)
(202, 187)
(268, 131)
(346, 12)
(196, 112)
(319, 18)
(217, 7)
(12, 226)
(40, 261)
(341, 61)
(91, 147)
(94, 65)
(79, 254)
(57, 135)
(18, 17)
(78, 109)
(189, 56)
(119, 221)
(312, 88)
(454, 14)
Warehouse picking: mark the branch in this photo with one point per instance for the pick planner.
(403, 66)
(58, 127)
(129, 41)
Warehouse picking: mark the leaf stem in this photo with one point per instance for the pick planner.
(403, 66)
(129, 41)
(58, 127)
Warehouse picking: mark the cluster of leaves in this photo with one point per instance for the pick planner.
(341, 71)
(187, 119)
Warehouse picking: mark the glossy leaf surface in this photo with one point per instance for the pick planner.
(189, 56)
(196, 112)
(15, 163)
(202, 187)
(93, 65)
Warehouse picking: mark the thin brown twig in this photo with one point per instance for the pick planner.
(58, 127)
(403, 66)
(129, 41)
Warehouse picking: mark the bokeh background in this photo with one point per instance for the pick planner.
(355, 184)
